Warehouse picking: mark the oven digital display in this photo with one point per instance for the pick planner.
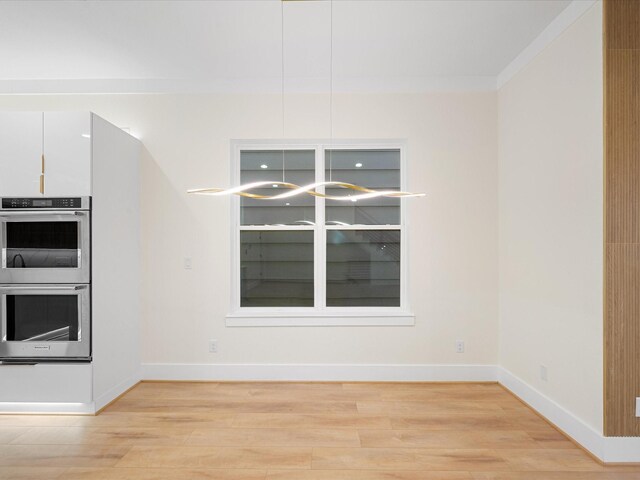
(66, 202)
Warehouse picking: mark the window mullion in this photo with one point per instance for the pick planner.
(404, 245)
(235, 232)
(320, 247)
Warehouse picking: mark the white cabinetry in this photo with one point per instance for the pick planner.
(84, 155)
(67, 154)
(20, 153)
(45, 383)
(52, 146)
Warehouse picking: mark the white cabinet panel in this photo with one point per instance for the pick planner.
(20, 152)
(67, 152)
(46, 382)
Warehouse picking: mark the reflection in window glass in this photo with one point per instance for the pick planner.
(374, 169)
(258, 166)
(276, 269)
(363, 268)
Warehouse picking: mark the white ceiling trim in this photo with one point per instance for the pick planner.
(242, 85)
(564, 20)
(416, 84)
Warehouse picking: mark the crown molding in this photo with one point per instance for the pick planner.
(564, 20)
(246, 85)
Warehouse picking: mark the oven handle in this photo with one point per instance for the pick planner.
(42, 213)
(74, 287)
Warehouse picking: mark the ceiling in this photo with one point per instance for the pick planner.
(59, 46)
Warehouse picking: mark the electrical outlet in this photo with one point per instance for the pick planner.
(459, 346)
(543, 373)
(213, 346)
(187, 263)
(637, 406)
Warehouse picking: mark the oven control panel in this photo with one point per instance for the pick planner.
(34, 203)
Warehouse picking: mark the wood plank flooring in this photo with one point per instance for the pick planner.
(299, 431)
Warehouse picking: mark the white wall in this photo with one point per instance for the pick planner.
(551, 243)
(452, 141)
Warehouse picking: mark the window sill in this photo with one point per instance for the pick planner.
(360, 319)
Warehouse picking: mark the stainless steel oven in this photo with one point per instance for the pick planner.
(45, 240)
(45, 322)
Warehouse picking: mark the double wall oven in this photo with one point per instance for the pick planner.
(45, 279)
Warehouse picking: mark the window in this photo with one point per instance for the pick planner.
(307, 260)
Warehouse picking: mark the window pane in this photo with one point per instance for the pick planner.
(363, 268)
(259, 166)
(374, 169)
(276, 269)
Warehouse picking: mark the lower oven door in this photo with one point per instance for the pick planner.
(43, 322)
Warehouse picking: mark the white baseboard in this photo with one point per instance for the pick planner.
(622, 449)
(607, 449)
(319, 372)
(115, 392)
(556, 414)
(41, 408)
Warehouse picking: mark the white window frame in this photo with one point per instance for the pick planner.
(320, 314)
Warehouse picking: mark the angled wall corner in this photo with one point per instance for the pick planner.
(550, 216)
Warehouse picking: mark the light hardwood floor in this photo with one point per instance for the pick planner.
(299, 431)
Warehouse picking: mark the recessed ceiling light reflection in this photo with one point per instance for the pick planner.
(264, 166)
(358, 165)
(274, 185)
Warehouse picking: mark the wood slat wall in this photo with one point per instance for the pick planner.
(622, 216)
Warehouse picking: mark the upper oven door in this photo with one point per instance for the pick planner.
(51, 247)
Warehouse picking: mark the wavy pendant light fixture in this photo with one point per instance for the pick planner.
(245, 190)
(310, 189)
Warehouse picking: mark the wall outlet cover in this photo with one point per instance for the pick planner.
(213, 346)
(459, 346)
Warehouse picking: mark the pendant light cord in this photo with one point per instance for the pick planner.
(330, 86)
(331, 90)
(316, 189)
(282, 77)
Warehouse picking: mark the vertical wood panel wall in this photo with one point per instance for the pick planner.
(622, 216)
